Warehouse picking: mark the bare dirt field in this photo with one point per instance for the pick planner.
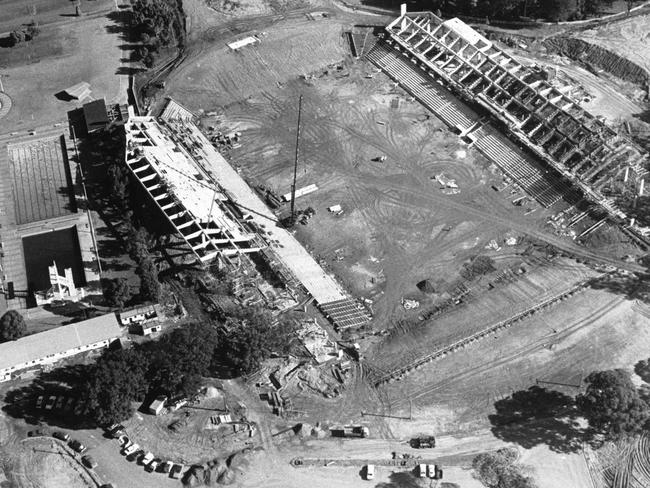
(16, 12)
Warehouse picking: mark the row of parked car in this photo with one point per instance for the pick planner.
(134, 452)
(74, 444)
(61, 403)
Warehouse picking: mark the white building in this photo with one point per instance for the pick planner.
(53, 345)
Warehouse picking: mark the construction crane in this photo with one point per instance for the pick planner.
(295, 164)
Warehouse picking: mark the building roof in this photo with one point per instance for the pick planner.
(79, 91)
(96, 115)
(59, 340)
(147, 309)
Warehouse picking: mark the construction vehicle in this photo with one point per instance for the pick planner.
(423, 442)
(350, 431)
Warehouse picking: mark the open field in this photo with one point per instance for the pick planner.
(16, 12)
(90, 50)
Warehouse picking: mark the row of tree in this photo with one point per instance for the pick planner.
(174, 365)
(24, 34)
(158, 24)
(552, 10)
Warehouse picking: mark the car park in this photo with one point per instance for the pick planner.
(89, 461)
(62, 436)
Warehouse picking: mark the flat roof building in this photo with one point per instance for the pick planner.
(53, 345)
(96, 115)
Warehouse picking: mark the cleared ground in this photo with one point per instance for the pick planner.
(90, 50)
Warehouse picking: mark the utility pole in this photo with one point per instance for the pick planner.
(295, 164)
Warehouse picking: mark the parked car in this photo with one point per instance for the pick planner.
(151, 467)
(62, 436)
(115, 430)
(89, 461)
(123, 439)
(69, 405)
(136, 456)
(370, 471)
(431, 468)
(165, 466)
(131, 449)
(50, 403)
(175, 471)
(147, 458)
(59, 403)
(422, 468)
(39, 401)
(77, 446)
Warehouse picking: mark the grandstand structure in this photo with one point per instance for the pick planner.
(605, 166)
(217, 213)
(161, 159)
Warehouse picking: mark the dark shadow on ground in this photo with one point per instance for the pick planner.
(402, 479)
(633, 287)
(65, 382)
(538, 416)
(64, 96)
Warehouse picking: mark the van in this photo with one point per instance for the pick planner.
(370, 471)
(422, 468)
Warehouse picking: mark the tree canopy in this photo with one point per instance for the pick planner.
(12, 326)
(612, 404)
(250, 337)
(116, 292)
(498, 470)
(115, 381)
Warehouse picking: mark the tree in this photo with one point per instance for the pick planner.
(149, 284)
(115, 381)
(642, 368)
(12, 326)
(497, 470)
(179, 359)
(250, 338)
(17, 36)
(612, 404)
(116, 292)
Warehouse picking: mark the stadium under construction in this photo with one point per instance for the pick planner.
(423, 52)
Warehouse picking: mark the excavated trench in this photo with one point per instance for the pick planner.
(596, 57)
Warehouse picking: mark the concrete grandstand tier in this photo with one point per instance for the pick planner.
(539, 114)
(161, 157)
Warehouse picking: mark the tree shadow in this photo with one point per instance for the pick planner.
(538, 416)
(402, 479)
(632, 287)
